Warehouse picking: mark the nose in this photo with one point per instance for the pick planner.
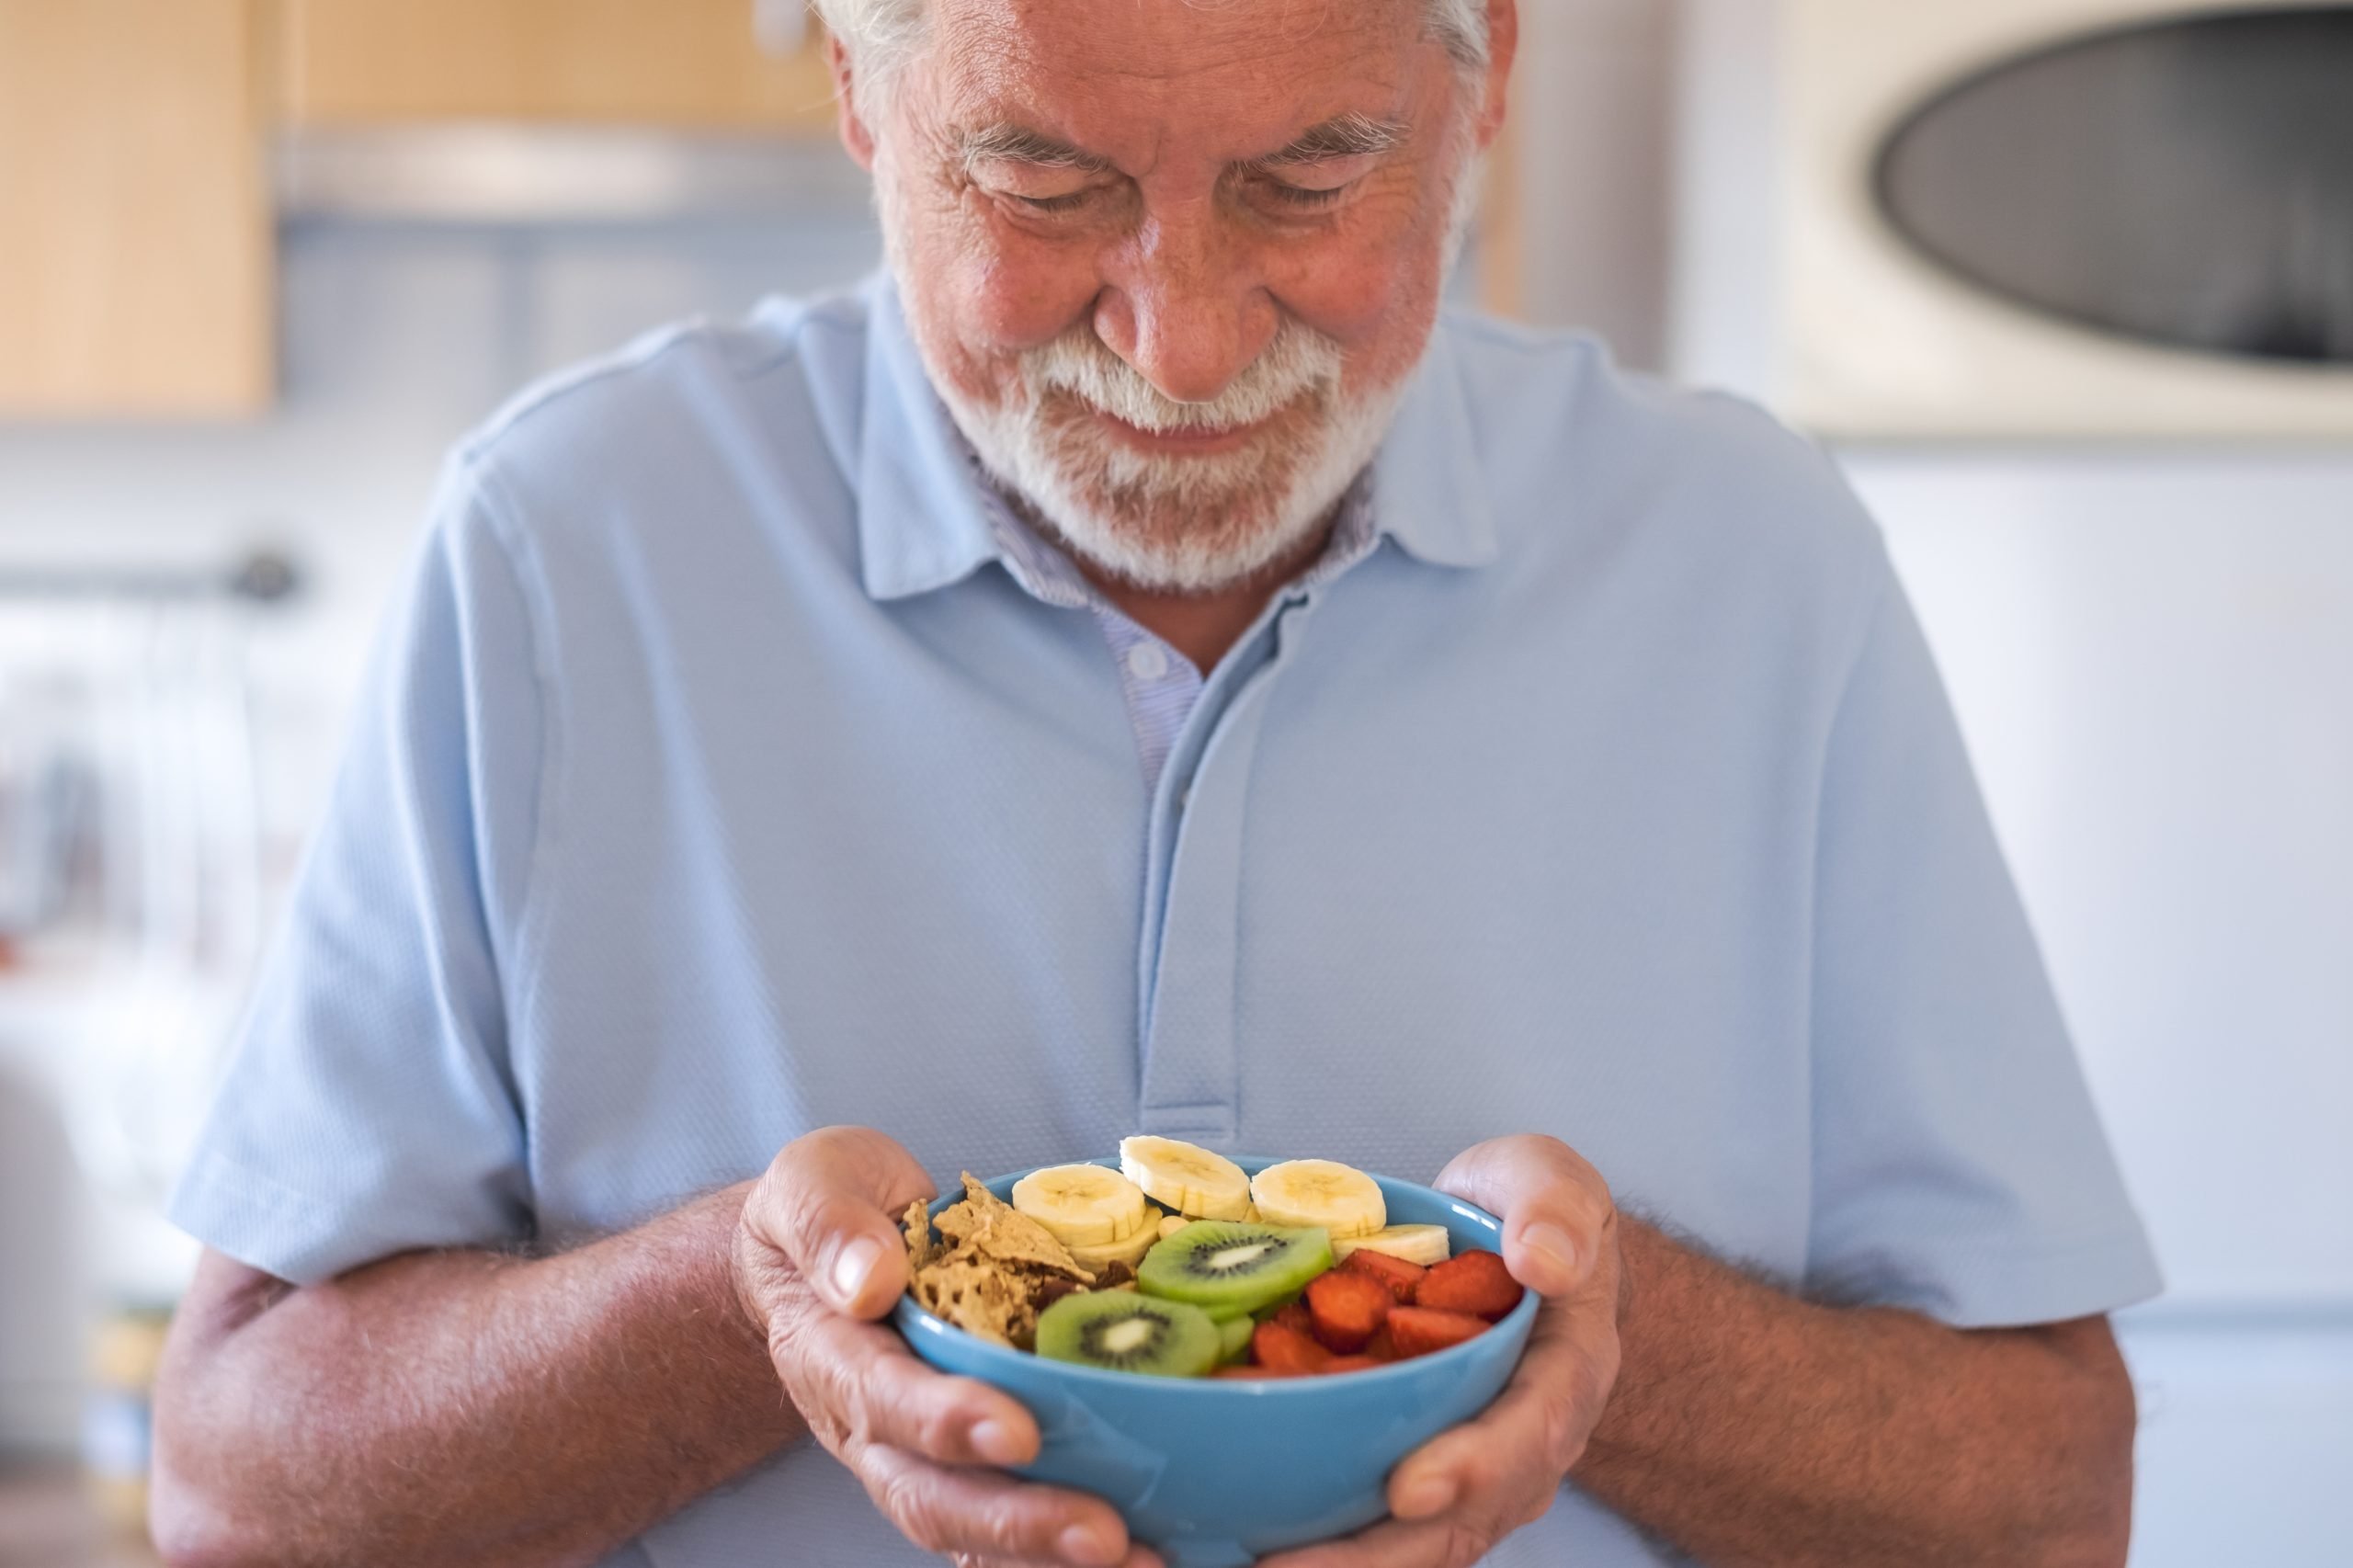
(1183, 304)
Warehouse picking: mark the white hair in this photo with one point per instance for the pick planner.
(881, 36)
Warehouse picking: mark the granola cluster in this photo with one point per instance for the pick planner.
(994, 1270)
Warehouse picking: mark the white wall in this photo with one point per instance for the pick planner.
(1595, 131)
(2152, 652)
(2153, 657)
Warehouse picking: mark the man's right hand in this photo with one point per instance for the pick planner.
(818, 1258)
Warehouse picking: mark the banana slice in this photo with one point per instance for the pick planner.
(1129, 1250)
(1187, 1177)
(1081, 1205)
(1423, 1245)
(1341, 1199)
(1171, 1224)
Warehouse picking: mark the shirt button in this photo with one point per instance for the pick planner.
(1146, 661)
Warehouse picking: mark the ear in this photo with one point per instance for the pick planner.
(856, 136)
(1502, 48)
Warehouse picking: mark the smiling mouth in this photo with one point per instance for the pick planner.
(1184, 441)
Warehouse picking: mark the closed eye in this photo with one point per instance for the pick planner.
(1308, 185)
(1053, 203)
(1305, 198)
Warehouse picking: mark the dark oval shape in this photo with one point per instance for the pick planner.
(2186, 183)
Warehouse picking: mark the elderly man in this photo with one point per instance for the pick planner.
(1139, 667)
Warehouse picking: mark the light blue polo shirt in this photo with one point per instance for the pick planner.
(720, 779)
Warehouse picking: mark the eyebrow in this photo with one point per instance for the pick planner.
(1019, 145)
(1342, 136)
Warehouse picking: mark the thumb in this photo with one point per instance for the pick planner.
(830, 1205)
(1557, 1211)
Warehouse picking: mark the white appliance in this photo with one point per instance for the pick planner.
(2065, 218)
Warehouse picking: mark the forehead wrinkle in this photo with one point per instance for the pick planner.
(1350, 135)
(1114, 112)
(998, 40)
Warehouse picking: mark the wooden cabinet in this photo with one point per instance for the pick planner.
(135, 242)
(690, 63)
(136, 237)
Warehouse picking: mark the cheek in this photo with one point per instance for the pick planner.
(989, 294)
(1373, 281)
(1377, 300)
(1022, 291)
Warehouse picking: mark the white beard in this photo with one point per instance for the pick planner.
(1178, 523)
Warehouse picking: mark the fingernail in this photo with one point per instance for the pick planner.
(997, 1442)
(1553, 1243)
(1085, 1544)
(1423, 1496)
(852, 1265)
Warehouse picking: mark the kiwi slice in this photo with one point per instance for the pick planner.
(1124, 1332)
(1235, 1333)
(1231, 1268)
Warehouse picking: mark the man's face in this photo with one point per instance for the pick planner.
(1168, 263)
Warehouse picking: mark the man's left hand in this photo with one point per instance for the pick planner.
(1466, 1490)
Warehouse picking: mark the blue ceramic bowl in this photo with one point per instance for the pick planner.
(1215, 1473)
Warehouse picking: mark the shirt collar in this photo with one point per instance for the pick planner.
(921, 521)
(1429, 493)
(925, 520)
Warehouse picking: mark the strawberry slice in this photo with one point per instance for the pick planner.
(1382, 1349)
(1349, 1364)
(1399, 1275)
(1252, 1374)
(1279, 1350)
(1477, 1283)
(1347, 1310)
(1294, 1315)
(1418, 1331)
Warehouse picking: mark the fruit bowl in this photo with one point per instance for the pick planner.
(1216, 1473)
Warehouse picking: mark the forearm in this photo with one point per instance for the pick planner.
(1756, 1430)
(461, 1408)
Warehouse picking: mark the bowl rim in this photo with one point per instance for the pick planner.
(910, 1316)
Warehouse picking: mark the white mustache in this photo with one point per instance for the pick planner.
(1298, 363)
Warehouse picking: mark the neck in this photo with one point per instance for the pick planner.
(1204, 626)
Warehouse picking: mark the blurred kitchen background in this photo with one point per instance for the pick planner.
(2066, 284)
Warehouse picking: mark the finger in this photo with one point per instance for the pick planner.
(829, 1207)
(865, 1379)
(1454, 1541)
(989, 1516)
(1556, 1209)
(1520, 1447)
(1137, 1557)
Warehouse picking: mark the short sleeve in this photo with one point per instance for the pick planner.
(1960, 1167)
(369, 1107)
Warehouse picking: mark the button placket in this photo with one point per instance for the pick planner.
(1187, 967)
